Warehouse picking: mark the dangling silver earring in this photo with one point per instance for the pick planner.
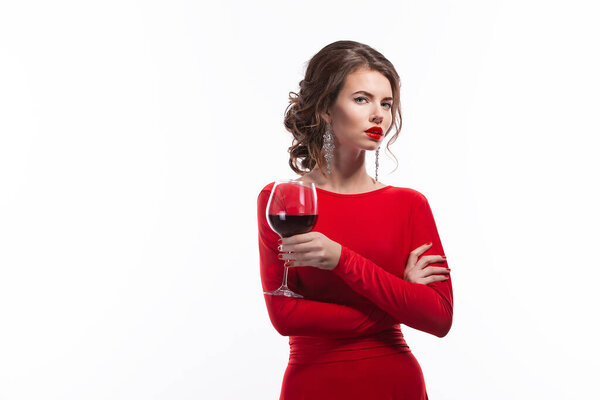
(328, 147)
(376, 164)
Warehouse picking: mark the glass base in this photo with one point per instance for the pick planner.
(284, 291)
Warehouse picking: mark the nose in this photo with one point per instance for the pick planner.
(377, 116)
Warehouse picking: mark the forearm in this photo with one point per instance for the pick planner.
(303, 317)
(423, 307)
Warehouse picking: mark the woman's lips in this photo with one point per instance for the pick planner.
(374, 135)
(375, 132)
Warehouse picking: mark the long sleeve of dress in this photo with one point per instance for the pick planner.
(305, 317)
(424, 307)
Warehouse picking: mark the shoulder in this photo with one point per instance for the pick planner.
(407, 193)
(268, 187)
(411, 200)
(265, 191)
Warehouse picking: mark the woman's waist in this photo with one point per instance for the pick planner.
(312, 349)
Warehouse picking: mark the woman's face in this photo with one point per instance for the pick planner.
(365, 102)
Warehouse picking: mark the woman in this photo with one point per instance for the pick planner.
(362, 270)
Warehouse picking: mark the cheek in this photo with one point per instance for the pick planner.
(340, 120)
(352, 116)
(388, 119)
(349, 117)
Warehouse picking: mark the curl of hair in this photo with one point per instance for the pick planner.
(324, 79)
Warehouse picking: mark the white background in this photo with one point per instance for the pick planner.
(136, 136)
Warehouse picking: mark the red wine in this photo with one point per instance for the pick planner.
(289, 225)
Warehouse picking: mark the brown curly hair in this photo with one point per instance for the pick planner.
(324, 79)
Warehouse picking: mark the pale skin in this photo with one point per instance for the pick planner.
(364, 101)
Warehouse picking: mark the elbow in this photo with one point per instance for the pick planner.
(444, 324)
(282, 329)
(280, 319)
(443, 330)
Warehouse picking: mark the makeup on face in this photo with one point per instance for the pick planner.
(363, 109)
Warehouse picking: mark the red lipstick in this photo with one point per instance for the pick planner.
(375, 132)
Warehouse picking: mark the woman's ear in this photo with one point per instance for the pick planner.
(326, 116)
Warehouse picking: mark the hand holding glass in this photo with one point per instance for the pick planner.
(292, 210)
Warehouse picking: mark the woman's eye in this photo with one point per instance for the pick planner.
(363, 100)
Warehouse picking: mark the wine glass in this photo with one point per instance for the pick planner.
(292, 210)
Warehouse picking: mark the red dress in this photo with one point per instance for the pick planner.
(345, 337)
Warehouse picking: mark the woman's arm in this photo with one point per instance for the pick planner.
(427, 308)
(303, 317)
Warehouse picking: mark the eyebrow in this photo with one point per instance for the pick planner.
(370, 95)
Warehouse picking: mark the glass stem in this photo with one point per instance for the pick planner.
(285, 274)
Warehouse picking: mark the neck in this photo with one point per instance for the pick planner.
(348, 174)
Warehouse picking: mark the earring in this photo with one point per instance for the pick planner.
(376, 163)
(328, 147)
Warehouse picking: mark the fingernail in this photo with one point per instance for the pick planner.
(280, 248)
(448, 269)
(280, 241)
(280, 256)
(287, 264)
(428, 243)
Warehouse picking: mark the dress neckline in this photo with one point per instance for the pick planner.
(353, 194)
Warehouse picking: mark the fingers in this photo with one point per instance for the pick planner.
(418, 270)
(422, 249)
(435, 270)
(433, 278)
(296, 239)
(316, 259)
(416, 253)
(309, 260)
(297, 248)
(426, 260)
(301, 258)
